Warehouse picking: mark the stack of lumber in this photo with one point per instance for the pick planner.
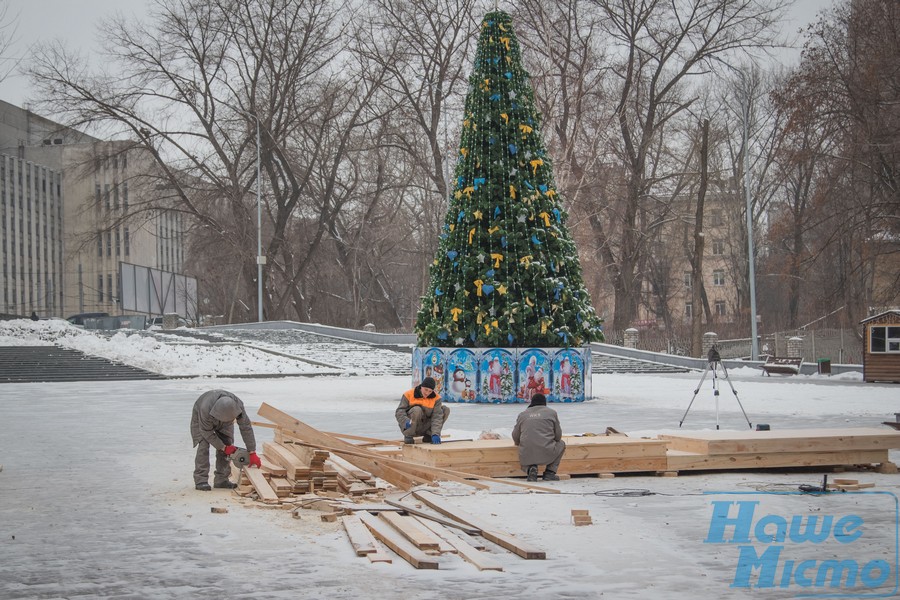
(719, 450)
(421, 536)
(584, 455)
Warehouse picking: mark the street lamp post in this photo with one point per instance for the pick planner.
(754, 342)
(260, 259)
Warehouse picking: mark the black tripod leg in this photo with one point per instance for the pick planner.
(699, 385)
(734, 391)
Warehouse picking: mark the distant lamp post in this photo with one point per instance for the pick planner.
(754, 341)
(260, 258)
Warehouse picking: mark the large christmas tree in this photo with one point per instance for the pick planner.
(506, 273)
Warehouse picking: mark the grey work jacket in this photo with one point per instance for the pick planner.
(538, 435)
(215, 410)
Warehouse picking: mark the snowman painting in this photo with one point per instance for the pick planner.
(458, 386)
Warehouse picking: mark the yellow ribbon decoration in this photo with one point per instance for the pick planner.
(525, 129)
(464, 152)
(546, 218)
(487, 85)
(529, 302)
(455, 312)
(497, 258)
(479, 318)
(487, 328)
(505, 41)
(535, 164)
(478, 284)
(500, 25)
(512, 192)
(434, 310)
(468, 192)
(505, 117)
(543, 326)
(493, 229)
(466, 123)
(452, 227)
(526, 260)
(471, 235)
(551, 193)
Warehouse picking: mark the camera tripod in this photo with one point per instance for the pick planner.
(712, 366)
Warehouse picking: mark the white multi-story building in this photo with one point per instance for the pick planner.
(74, 207)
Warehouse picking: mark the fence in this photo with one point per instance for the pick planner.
(842, 346)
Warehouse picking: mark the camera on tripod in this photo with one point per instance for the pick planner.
(713, 355)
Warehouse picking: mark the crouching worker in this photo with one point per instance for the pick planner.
(539, 437)
(422, 413)
(212, 424)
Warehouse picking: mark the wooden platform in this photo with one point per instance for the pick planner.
(584, 455)
(723, 450)
(691, 451)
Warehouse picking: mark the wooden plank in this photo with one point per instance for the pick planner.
(585, 467)
(421, 513)
(360, 537)
(271, 468)
(262, 487)
(280, 455)
(422, 538)
(481, 560)
(500, 538)
(435, 528)
(391, 538)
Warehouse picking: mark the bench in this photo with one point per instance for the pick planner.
(782, 366)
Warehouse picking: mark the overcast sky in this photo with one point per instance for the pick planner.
(76, 22)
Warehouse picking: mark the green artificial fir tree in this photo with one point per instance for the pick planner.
(506, 273)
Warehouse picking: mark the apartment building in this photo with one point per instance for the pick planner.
(74, 207)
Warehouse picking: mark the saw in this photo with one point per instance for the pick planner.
(240, 458)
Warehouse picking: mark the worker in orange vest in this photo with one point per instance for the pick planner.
(421, 412)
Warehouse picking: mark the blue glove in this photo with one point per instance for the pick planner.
(408, 423)
(435, 439)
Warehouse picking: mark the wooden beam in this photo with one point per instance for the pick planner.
(432, 517)
(481, 560)
(422, 538)
(500, 538)
(396, 542)
(360, 537)
(262, 487)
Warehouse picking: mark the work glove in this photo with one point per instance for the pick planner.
(229, 450)
(435, 439)
(254, 460)
(406, 426)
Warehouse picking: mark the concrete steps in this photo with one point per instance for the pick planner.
(39, 364)
(607, 363)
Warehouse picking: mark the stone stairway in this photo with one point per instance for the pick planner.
(38, 364)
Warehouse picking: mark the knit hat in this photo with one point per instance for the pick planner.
(538, 400)
(428, 382)
(225, 409)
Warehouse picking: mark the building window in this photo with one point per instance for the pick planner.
(688, 310)
(719, 277)
(688, 280)
(116, 197)
(118, 243)
(98, 196)
(108, 243)
(100, 288)
(100, 244)
(109, 288)
(106, 195)
(885, 339)
(720, 308)
(718, 247)
(127, 242)
(125, 195)
(715, 218)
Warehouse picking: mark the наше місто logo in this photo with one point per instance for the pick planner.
(834, 544)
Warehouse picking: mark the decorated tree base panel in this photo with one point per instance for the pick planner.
(505, 375)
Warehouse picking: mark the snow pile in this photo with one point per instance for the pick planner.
(146, 351)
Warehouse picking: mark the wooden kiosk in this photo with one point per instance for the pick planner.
(881, 349)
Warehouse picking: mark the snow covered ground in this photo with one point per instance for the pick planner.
(97, 500)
